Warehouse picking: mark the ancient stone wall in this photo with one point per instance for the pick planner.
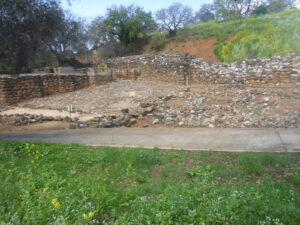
(14, 89)
(175, 69)
(274, 71)
(158, 68)
(279, 70)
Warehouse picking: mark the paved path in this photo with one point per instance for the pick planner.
(182, 138)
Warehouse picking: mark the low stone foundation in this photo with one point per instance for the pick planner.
(17, 88)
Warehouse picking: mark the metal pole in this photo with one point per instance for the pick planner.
(242, 99)
(242, 102)
(165, 109)
(187, 81)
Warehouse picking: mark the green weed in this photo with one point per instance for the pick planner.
(73, 184)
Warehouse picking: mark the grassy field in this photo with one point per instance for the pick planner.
(252, 37)
(73, 184)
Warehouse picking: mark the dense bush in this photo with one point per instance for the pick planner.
(158, 41)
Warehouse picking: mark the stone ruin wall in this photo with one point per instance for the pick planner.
(17, 88)
(158, 68)
(278, 70)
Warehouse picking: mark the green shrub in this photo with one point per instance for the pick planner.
(182, 34)
(263, 36)
(158, 41)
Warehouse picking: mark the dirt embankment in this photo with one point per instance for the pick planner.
(200, 47)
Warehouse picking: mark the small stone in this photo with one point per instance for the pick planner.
(105, 124)
(247, 123)
(180, 123)
(133, 120)
(50, 118)
(125, 111)
(156, 121)
(133, 113)
(211, 126)
(145, 104)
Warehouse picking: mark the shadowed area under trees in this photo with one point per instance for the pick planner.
(31, 31)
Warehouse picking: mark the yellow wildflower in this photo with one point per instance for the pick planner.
(10, 171)
(55, 203)
(32, 145)
(64, 223)
(28, 150)
(91, 214)
(37, 152)
(32, 161)
(85, 216)
(15, 152)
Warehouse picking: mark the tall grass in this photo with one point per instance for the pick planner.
(254, 37)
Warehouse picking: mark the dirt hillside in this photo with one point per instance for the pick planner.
(201, 48)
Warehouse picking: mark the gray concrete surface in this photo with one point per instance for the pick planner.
(183, 138)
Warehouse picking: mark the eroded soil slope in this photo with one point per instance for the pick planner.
(201, 48)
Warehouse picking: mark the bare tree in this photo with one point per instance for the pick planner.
(97, 33)
(174, 17)
(234, 9)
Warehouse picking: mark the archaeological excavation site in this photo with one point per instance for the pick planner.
(156, 90)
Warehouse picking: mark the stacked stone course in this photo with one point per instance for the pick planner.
(175, 68)
(17, 88)
(278, 70)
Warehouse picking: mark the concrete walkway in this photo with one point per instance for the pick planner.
(182, 138)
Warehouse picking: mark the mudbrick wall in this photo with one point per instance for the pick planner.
(14, 89)
(175, 68)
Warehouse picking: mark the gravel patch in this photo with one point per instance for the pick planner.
(109, 98)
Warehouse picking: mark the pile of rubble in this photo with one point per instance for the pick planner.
(26, 118)
(253, 107)
(173, 106)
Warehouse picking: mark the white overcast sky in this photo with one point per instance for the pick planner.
(91, 8)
